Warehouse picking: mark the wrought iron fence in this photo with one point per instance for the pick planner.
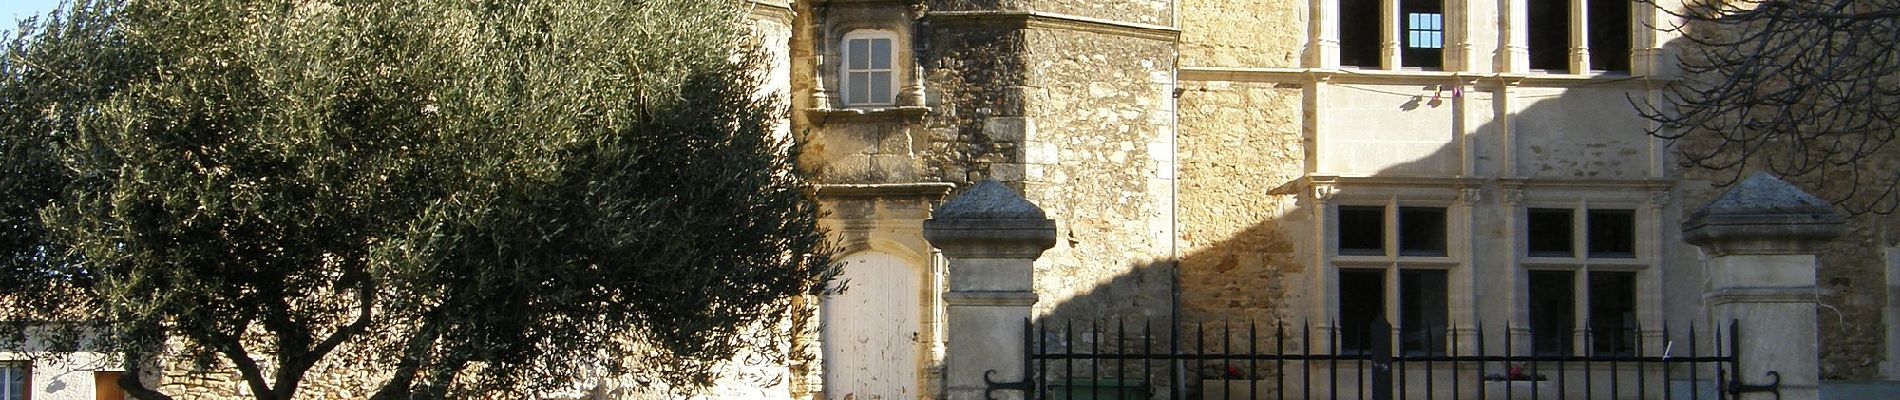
(1109, 360)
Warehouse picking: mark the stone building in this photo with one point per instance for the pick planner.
(1438, 164)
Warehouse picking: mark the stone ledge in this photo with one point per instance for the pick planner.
(904, 114)
(1762, 295)
(1011, 19)
(1485, 80)
(920, 190)
(989, 298)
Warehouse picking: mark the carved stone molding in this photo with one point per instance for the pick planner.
(1658, 199)
(1514, 197)
(1324, 191)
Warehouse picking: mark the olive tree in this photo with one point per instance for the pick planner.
(480, 195)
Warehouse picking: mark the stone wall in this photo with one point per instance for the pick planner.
(1229, 33)
(1097, 161)
(1242, 228)
(975, 73)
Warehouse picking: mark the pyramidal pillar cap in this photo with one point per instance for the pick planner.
(1763, 216)
(991, 221)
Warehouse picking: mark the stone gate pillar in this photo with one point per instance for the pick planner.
(1761, 238)
(991, 236)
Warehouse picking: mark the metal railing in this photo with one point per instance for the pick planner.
(1109, 360)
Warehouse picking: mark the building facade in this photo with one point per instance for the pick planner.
(1441, 165)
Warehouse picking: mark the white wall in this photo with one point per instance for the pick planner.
(63, 376)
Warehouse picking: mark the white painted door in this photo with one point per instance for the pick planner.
(871, 331)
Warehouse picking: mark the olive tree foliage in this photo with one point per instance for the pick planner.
(1808, 90)
(474, 196)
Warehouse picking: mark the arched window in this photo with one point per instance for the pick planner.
(867, 74)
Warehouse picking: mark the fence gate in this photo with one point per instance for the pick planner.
(1100, 360)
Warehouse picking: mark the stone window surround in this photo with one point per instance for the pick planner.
(1334, 192)
(844, 67)
(1323, 48)
(907, 77)
(1647, 199)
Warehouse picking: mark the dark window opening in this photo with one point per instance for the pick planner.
(1422, 231)
(1549, 35)
(1362, 230)
(1553, 311)
(1549, 231)
(1609, 35)
(1359, 33)
(1361, 301)
(1422, 312)
(1612, 233)
(1613, 326)
(1423, 29)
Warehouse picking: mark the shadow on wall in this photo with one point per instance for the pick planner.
(1247, 231)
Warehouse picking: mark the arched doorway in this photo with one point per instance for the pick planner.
(871, 331)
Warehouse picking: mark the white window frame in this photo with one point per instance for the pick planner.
(1393, 261)
(845, 69)
(7, 370)
(1581, 265)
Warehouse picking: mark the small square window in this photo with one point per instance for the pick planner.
(1422, 33)
(1612, 233)
(868, 72)
(1362, 230)
(1548, 232)
(1422, 231)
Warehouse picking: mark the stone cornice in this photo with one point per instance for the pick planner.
(771, 10)
(1586, 184)
(1055, 21)
(1298, 75)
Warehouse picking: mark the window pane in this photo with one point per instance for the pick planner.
(1361, 301)
(1553, 311)
(1612, 233)
(1359, 33)
(858, 54)
(1422, 231)
(1549, 34)
(880, 87)
(1548, 232)
(1609, 35)
(15, 380)
(1613, 313)
(858, 90)
(880, 54)
(1422, 312)
(1361, 230)
(1423, 53)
